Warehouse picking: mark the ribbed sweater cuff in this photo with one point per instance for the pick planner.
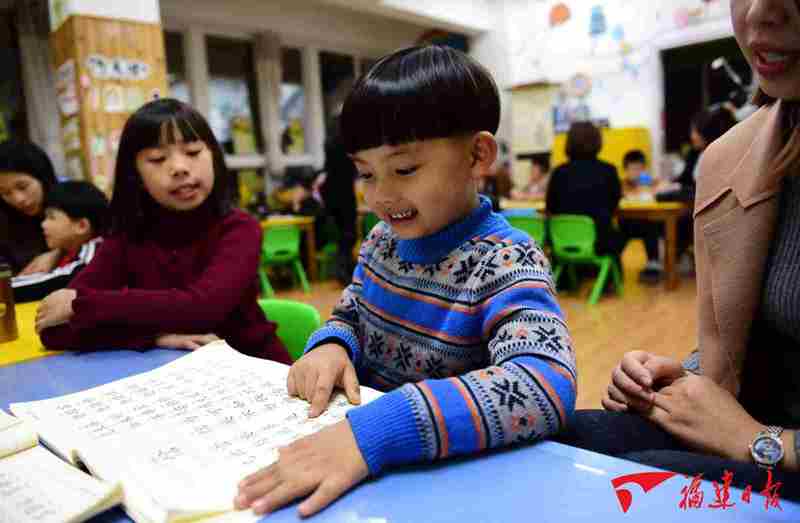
(334, 335)
(86, 314)
(386, 432)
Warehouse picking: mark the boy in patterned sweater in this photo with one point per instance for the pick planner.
(451, 309)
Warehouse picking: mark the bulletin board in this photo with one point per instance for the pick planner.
(616, 142)
(105, 70)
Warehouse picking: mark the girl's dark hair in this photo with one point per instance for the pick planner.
(788, 159)
(152, 125)
(584, 141)
(26, 158)
(711, 124)
(419, 93)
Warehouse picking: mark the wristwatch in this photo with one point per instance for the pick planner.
(767, 447)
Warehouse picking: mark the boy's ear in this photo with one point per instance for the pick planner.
(83, 226)
(483, 152)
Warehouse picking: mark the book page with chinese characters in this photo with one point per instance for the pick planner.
(38, 487)
(183, 435)
(15, 435)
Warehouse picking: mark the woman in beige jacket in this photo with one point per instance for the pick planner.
(739, 407)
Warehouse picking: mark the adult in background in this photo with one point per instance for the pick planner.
(26, 176)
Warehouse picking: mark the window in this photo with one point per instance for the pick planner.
(13, 118)
(176, 67)
(337, 73)
(292, 103)
(233, 112)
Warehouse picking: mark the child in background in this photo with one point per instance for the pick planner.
(451, 311)
(179, 265)
(75, 217)
(536, 188)
(640, 185)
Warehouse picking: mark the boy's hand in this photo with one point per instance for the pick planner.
(185, 341)
(325, 464)
(55, 309)
(313, 377)
(635, 379)
(43, 263)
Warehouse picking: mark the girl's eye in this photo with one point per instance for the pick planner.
(195, 152)
(158, 159)
(364, 176)
(406, 172)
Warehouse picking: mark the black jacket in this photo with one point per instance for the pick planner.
(590, 187)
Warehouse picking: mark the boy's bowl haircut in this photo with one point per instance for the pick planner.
(419, 93)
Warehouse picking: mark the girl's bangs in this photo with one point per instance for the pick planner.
(177, 129)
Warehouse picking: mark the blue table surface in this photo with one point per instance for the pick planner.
(546, 481)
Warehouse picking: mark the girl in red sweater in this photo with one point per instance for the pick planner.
(179, 267)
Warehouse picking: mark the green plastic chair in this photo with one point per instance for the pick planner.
(281, 245)
(573, 237)
(533, 225)
(369, 221)
(296, 322)
(326, 255)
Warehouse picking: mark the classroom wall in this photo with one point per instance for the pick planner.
(616, 44)
(490, 48)
(329, 26)
(473, 15)
(462, 16)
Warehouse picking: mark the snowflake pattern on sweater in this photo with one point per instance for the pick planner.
(464, 328)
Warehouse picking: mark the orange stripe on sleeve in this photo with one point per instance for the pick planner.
(437, 414)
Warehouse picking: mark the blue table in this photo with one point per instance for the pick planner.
(542, 482)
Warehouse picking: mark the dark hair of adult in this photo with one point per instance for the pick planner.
(634, 156)
(25, 158)
(584, 141)
(80, 200)
(714, 123)
(155, 124)
(419, 93)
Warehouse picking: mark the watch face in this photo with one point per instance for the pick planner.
(767, 450)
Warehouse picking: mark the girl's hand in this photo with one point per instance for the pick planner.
(43, 263)
(325, 464)
(314, 376)
(636, 377)
(185, 341)
(55, 309)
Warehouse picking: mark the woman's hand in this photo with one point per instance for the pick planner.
(636, 377)
(43, 263)
(705, 417)
(325, 465)
(55, 309)
(185, 341)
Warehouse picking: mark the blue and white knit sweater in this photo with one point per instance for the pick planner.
(464, 329)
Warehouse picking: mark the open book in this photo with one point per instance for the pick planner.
(36, 486)
(180, 437)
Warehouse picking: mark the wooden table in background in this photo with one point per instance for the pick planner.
(306, 223)
(666, 212)
(27, 346)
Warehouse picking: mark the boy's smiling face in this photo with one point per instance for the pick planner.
(421, 187)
